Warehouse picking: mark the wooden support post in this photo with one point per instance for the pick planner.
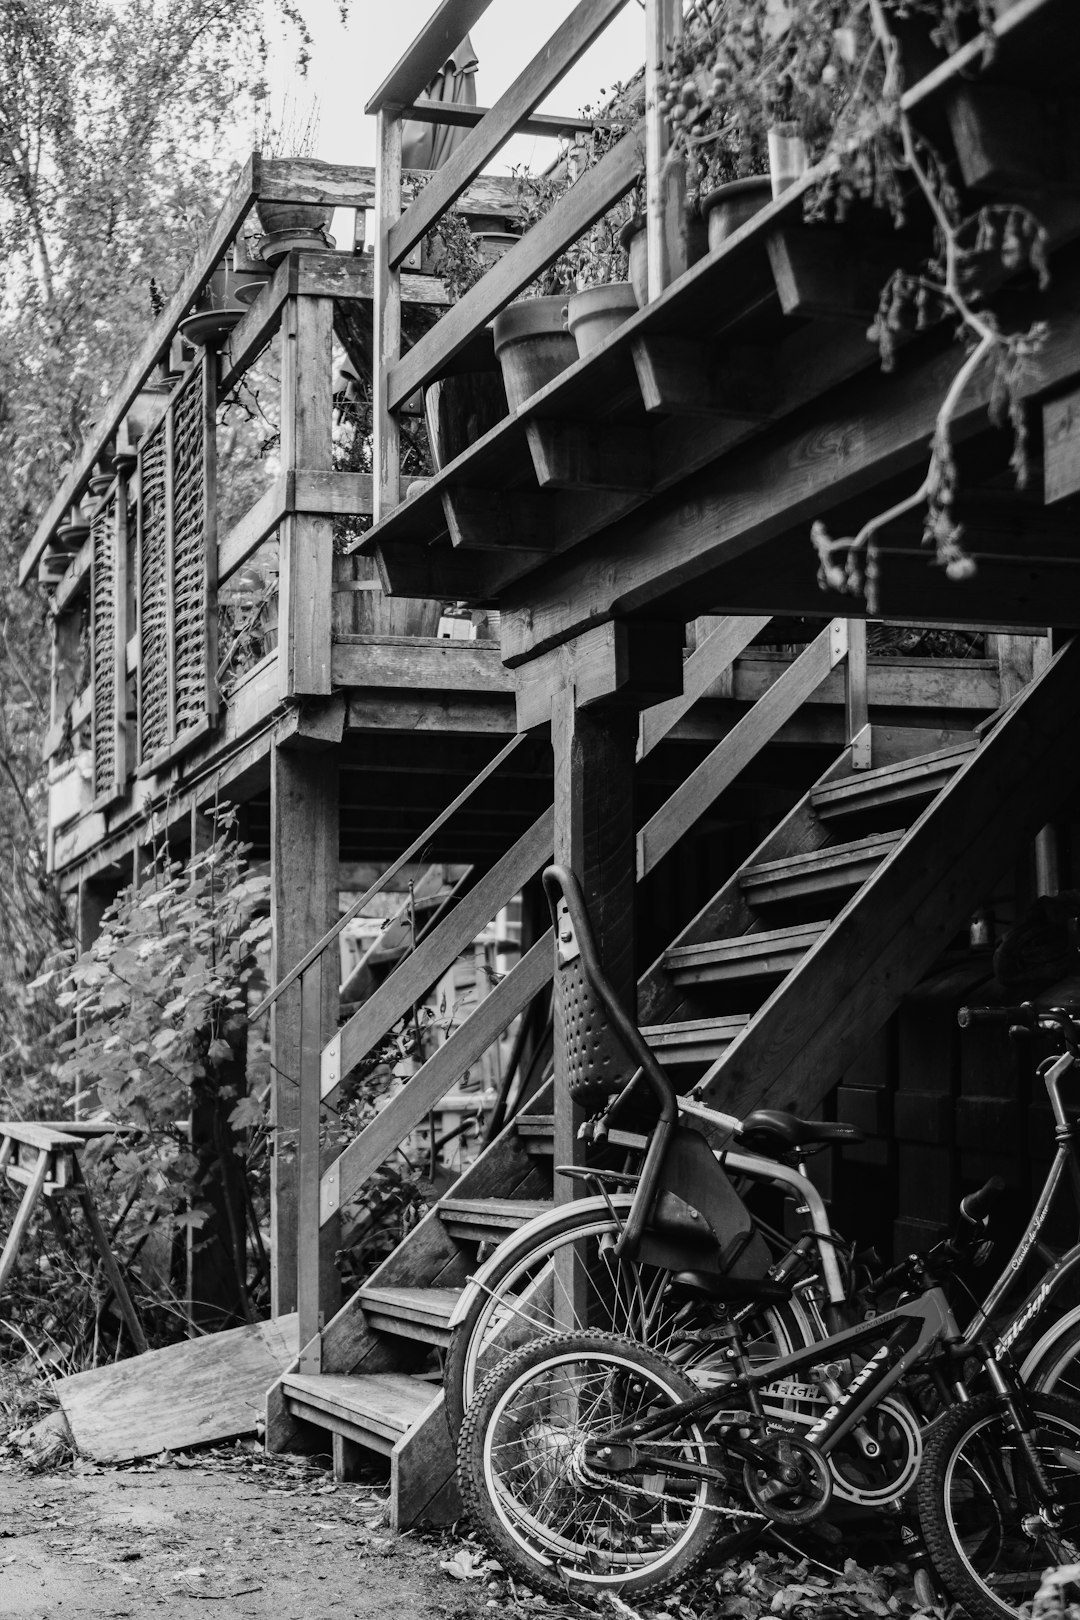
(304, 879)
(594, 836)
(665, 183)
(856, 703)
(387, 310)
(22, 1218)
(307, 584)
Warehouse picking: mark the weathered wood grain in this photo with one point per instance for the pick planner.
(205, 1389)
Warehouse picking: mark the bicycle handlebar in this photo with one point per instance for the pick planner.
(974, 1208)
(950, 1251)
(1025, 1014)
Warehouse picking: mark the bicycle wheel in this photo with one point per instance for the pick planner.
(559, 1274)
(979, 1511)
(534, 1490)
(1057, 1365)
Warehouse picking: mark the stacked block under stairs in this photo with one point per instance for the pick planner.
(764, 997)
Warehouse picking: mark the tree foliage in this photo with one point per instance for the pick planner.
(119, 122)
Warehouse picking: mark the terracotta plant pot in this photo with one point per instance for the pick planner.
(634, 239)
(593, 314)
(292, 225)
(533, 346)
(730, 206)
(460, 409)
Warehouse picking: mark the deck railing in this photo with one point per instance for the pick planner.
(399, 228)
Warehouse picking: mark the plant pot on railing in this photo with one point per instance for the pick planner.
(290, 225)
(459, 409)
(533, 346)
(729, 207)
(593, 314)
(216, 311)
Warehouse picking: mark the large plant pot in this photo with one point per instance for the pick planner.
(293, 216)
(595, 313)
(458, 410)
(533, 346)
(729, 207)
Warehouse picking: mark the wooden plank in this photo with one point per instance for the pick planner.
(45, 1137)
(665, 182)
(229, 218)
(590, 455)
(250, 336)
(23, 1214)
(555, 58)
(413, 662)
(720, 768)
(836, 273)
(816, 1022)
(257, 524)
(423, 1473)
(498, 520)
(390, 1403)
(406, 1111)
(681, 376)
(438, 39)
(435, 953)
(571, 215)
(702, 670)
(212, 1388)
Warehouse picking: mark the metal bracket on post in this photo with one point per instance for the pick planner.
(838, 642)
(860, 749)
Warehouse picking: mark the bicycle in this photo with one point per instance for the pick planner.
(591, 1462)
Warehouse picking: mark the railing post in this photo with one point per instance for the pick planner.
(306, 578)
(856, 700)
(308, 1301)
(664, 184)
(387, 312)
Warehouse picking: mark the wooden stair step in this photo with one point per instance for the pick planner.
(767, 955)
(479, 1219)
(696, 1040)
(908, 780)
(410, 1313)
(837, 866)
(537, 1133)
(374, 1409)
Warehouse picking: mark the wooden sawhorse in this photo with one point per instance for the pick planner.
(43, 1157)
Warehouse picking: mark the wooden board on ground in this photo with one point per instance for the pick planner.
(212, 1388)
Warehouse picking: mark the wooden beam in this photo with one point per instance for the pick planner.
(1014, 141)
(571, 215)
(1061, 447)
(304, 877)
(417, 663)
(719, 769)
(499, 520)
(862, 435)
(615, 663)
(306, 579)
(682, 377)
(836, 274)
(386, 347)
(555, 58)
(590, 455)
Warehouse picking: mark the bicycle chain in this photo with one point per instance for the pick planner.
(605, 1480)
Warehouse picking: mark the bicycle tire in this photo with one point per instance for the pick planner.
(1056, 1369)
(976, 1504)
(547, 1517)
(621, 1297)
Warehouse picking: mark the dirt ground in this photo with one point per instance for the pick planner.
(229, 1528)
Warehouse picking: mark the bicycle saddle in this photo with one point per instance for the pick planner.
(732, 1290)
(771, 1130)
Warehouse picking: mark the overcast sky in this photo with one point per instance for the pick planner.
(349, 63)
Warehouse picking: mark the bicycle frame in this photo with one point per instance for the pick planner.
(1059, 1268)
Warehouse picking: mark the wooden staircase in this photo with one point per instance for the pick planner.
(764, 997)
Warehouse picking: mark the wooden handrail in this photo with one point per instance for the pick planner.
(403, 859)
(588, 19)
(731, 755)
(579, 207)
(438, 39)
(423, 966)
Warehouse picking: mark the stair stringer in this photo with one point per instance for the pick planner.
(812, 1027)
